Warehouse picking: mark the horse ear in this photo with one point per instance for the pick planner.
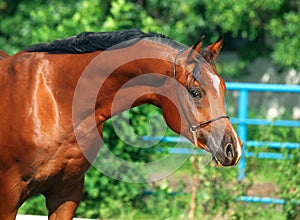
(195, 49)
(215, 48)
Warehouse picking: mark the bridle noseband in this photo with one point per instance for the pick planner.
(193, 127)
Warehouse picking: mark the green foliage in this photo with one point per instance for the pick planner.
(36, 205)
(245, 18)
(288, 182)
(285, 31)
(163, 204)
(217, 190)
(40, 21)
(252, 28)
(106, 197)
(126, 15)
(287, 173)
(98, 200)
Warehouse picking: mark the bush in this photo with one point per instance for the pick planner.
(289, 183)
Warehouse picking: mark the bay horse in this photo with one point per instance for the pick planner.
(40, 152)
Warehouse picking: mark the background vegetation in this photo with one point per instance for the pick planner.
(252, 29)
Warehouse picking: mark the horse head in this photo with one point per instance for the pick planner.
(199, 103)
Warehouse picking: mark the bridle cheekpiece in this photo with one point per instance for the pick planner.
(193, 127)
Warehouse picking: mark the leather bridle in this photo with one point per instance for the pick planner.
(193, 127)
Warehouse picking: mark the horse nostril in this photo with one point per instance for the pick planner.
(229, 151)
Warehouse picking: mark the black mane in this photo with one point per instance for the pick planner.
(92, 41)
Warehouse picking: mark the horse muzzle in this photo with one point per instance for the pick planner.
(228, 153)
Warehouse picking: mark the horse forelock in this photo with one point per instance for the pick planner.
(203, 63)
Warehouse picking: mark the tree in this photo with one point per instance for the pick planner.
(252, 28)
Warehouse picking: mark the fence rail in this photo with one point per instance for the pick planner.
(242, 120)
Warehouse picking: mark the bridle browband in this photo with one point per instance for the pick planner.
(193, 127)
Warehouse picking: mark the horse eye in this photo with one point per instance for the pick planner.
(195, 92)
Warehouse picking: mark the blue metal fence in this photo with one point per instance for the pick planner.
(242, 122)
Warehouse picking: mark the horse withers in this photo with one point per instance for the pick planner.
(51, 116)
(3, 55)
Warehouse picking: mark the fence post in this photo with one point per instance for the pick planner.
(242, 129)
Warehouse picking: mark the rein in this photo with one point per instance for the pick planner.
(193, 127)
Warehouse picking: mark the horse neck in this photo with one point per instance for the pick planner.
(141, 79)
